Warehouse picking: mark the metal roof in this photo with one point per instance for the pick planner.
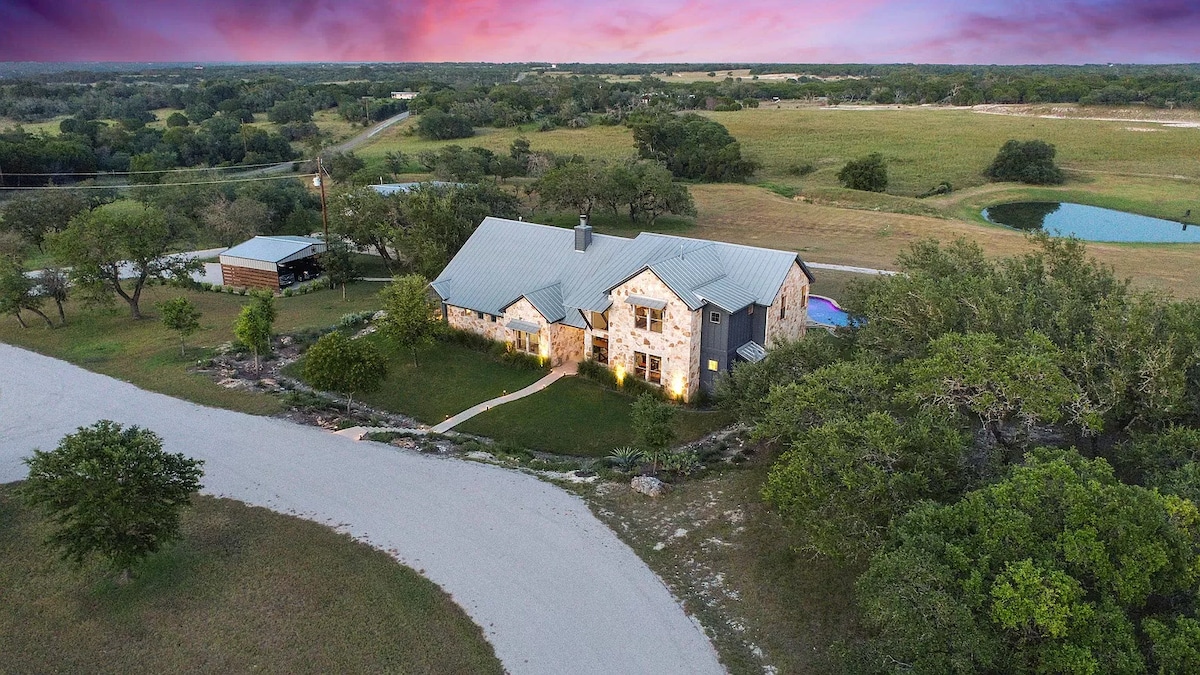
(523, 326)
(276, 249)
(505, 260)
(641, 301)
(752, 352)
(393, 188)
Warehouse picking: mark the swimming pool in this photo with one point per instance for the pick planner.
(825, 311)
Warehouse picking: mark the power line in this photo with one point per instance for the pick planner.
(182, 170)
(290, 176)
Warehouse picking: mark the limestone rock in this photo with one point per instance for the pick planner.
(648, 485)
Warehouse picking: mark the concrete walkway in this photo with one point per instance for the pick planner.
(554, 590)
(554, 376)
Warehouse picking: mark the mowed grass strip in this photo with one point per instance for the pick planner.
(245, 590)
(575, 416)
(147, 354)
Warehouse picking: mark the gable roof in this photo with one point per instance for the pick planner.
(506, 260)
(279, 249)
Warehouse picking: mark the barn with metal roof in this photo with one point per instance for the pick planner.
(267, 262)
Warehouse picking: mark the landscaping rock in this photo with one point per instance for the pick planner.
(648, 485)
(378, 315)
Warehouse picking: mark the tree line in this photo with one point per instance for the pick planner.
(1011, 448)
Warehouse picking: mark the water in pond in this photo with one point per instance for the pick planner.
(1090, 223)
(826, 312)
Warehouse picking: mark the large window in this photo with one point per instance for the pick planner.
(648, 367)
(648, 319)
(526, 342)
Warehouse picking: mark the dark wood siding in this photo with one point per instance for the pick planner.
(714, 345)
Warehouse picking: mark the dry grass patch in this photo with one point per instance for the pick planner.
(724, 553)
(746, 214)
(600, 142)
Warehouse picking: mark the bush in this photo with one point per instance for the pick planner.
(801, 168)
(605, 376)
(436, 125)
(355, 319)
(865, 173)
(1029, 162)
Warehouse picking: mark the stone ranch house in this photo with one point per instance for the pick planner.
(669, 310)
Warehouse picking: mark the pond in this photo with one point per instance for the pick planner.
(825, 312)
(1090, 223)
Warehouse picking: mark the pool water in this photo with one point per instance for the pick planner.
(826, 312)
(1091, 223)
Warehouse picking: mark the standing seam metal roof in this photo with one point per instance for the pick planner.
(271, 249)
(506, 260)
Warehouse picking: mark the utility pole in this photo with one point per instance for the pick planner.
(324, 211)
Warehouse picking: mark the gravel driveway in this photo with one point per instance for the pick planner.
(553, 588)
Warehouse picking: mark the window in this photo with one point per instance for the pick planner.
(526, 342)
(492, 318)
(804, 297)
(600, 320)
(782, 306)
(714, 317)
(713, 364)
(479, 315)
(600, 350)
(648, 319)
(648, 367)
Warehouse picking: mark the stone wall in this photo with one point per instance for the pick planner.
(566, 344)
(793, 295)
(468, 320)
(678, 345)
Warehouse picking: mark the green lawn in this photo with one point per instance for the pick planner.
(371, 266)
(245, 590)
(575, 416)
(446, 380)
(147, 354)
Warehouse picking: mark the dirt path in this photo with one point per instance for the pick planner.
(554, 590)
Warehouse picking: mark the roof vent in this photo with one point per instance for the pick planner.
(583, 234)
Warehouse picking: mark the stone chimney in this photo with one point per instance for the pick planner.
(583, 234)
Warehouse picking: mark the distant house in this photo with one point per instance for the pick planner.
(404, 95)
(393, 188)
(261, 261)
(669, 310)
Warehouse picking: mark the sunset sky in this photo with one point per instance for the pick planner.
(601, 31)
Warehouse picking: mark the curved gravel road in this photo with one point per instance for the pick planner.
(553, 588)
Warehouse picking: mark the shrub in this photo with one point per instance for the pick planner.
(801, 168)
(865, 173)
(1026, 162)
(625, 458)
(355, 319)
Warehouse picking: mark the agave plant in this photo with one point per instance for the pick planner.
(625, 458)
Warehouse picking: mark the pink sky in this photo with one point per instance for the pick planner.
(601, 31)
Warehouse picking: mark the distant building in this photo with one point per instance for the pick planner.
(393, 188)
(405, 95)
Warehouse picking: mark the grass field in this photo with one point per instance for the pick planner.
(925, 146)
(601, 142)
(147, 354)
(245, 590)
(575, 416)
